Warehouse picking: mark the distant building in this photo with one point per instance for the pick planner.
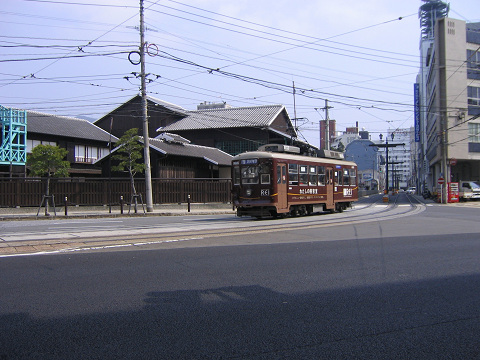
(400, 158)
(365, 155)
(350, 134)
(323, 133)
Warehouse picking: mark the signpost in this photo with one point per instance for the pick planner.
(440, 182)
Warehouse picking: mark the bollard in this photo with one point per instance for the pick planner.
(121, 205)
(188, 202)
(66, 206)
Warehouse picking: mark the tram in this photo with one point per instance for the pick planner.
(276, 181)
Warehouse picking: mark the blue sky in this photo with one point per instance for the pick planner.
(71, 57)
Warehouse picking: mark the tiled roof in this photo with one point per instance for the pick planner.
(169, 106)
(212, 155)
(41, 123)
(172, 138)
(255, 116)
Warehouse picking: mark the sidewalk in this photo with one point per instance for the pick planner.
(30, 213)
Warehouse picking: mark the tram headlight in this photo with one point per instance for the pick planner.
(248, 192)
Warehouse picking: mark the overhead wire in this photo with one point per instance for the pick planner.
(277, 86)
(314, 40)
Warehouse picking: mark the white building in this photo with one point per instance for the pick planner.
(448, 124)
(399, 157)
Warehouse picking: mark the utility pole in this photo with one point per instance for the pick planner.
(444, 149)
(294, 112)
(146, 137)
(386, 146)
(327, 125)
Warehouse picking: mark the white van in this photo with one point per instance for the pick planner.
(469, 190)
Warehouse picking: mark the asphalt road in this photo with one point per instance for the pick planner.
(405, 287)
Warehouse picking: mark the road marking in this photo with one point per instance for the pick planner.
(109, 239)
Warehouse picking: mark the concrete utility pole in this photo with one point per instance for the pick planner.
(444, 148)
(327, 125)
(386, 146)
(146, 137)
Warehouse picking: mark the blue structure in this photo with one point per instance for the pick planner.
(365, 155)
(13, 146)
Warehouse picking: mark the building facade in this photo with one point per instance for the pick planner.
(449, 104)
(400, 158)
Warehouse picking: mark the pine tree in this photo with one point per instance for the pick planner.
(48, 160)
(129, 151)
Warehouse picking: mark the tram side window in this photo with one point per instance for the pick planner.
(303, 175)
(321, 175)
(236, 175)
(250, 175)
(338, 177)
(353, 177)
(313, 177)
(346, 177)
(279, 174)
(292, 174)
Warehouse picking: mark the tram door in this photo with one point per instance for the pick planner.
(330, 187)
(282, 186)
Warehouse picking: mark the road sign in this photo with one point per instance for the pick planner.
(441, 181)
(453, 161)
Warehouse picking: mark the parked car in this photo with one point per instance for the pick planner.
(411, 190)
(469, 190)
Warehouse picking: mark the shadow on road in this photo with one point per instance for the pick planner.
(427, 319)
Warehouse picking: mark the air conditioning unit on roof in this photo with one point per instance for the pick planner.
(280, 148)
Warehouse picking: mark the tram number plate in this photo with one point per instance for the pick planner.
(265, 192)
(347, 192)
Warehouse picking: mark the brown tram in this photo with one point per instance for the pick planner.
(276, 183)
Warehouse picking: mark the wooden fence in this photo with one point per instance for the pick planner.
(84, 191)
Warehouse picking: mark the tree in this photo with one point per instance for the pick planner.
(129, 152)
(48, 160)
(340, 147)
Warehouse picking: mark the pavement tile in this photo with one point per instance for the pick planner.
(8, 250)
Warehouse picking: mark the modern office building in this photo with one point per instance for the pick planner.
(447, 96)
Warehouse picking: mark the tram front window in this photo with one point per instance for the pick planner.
(250, 174)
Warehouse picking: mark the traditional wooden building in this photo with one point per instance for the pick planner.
(233, 130)
(129, 115)
(236, 130)
(172, 156)
(84, 141)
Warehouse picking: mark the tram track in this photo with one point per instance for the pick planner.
(97, 240)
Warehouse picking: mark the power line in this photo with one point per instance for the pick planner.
(305, 45)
